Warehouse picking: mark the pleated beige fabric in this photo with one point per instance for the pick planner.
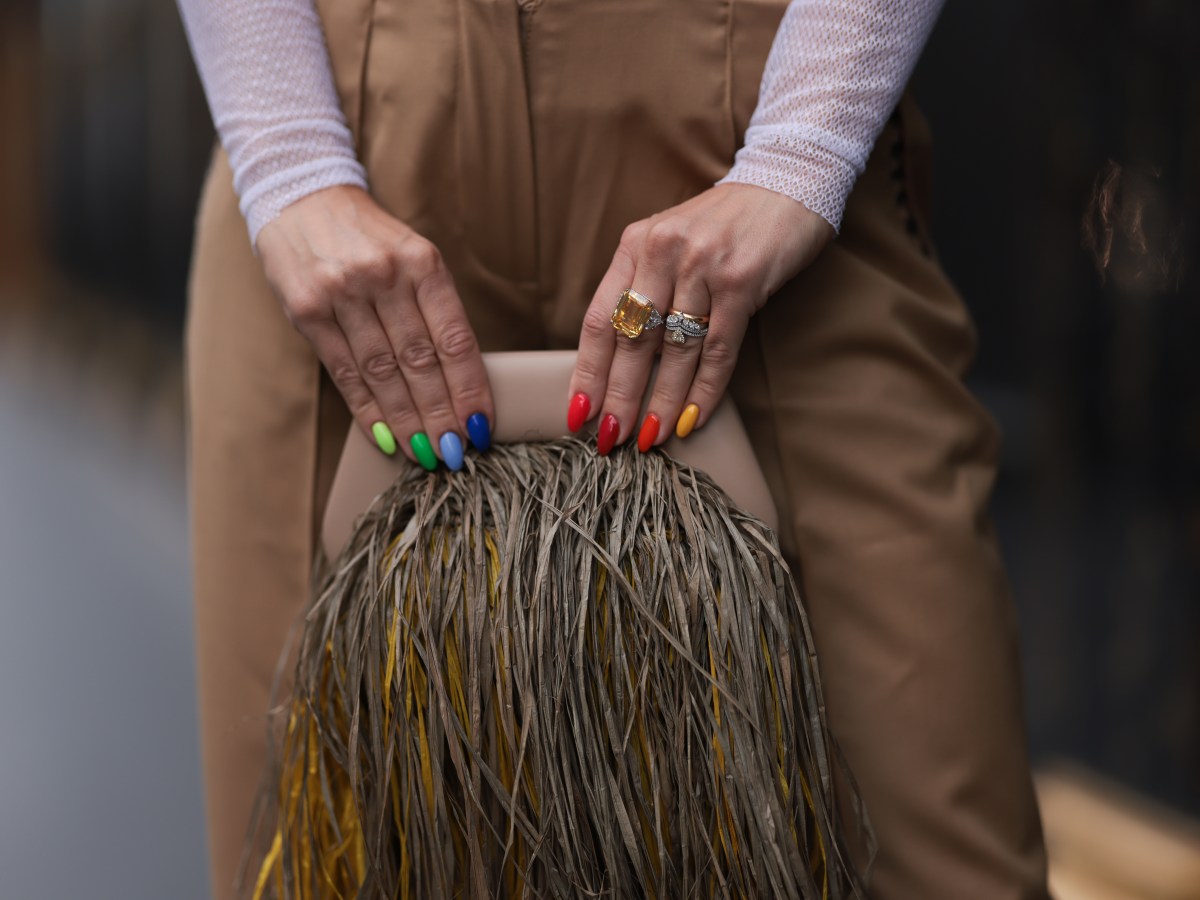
(521, 139)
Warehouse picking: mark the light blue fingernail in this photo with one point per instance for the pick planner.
(452, 450)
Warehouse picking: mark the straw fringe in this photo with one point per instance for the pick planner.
(556, 675)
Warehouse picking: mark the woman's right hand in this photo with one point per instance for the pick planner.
(380, 309)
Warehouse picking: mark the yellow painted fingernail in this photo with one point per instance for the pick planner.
(384, 437)
(687, 420)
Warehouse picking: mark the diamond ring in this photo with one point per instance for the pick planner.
(683, 326)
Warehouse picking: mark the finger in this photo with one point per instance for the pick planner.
(718, 356)
(677, 369)
(394, 390)
(458, 353)
(632, 360)
(333, 350)
(422, 372)
(598, 339)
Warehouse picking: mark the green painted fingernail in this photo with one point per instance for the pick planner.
(424, 451)
(384, 437)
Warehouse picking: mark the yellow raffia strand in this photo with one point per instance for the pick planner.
(426, 761)
(389, 671)
(652, 848)
(268, 866)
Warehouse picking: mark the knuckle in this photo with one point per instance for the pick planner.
(329, 279)
(622, 394)
(376, 265)
(699, 253)
(364, 409)
(730, 277)
(306, 307)
(633, 234)
(597, 323)
(439, 411)
(667, 238)
(719, 353)
(380, 366)
(457, 343)
(589, 372)
(626, 255)
(345, 375)
(419, 356)
(421, 258)
(707, 385)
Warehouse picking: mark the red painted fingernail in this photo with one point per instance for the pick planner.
(577, 411)
(606, 436)
(649, 432)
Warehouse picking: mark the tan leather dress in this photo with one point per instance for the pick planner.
(521, 138)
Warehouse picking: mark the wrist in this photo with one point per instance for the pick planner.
(798, 168)
(270, 198)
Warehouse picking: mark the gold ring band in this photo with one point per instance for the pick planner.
(699, 320)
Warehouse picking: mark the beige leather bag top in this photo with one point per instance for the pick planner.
(530, 391)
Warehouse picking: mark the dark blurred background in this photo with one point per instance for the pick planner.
(1068, 187)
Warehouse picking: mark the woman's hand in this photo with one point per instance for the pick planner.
(380, 309)
(720, 254)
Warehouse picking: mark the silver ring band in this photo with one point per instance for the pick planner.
(683, 326)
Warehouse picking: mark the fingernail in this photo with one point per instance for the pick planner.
(606, 436)
(423, 450)
(577, 411)
(649, 432)
(384, 438)
(452, 450)
(479, 431)
(687, 420)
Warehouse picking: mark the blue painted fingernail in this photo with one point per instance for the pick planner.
(452, 450)
(479, 431)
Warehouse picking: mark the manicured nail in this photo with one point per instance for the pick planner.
(577, 411)
(479, 432)
(423, 450)
(606, 436)
(384, 438)
(452, 450)
(687, 420)
(649, 432)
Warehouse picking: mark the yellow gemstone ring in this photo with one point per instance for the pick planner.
(635, 314)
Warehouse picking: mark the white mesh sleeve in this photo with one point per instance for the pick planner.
(835, 72)
(266, 74)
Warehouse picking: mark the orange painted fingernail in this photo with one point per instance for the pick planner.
(649, 432)
(687, 420)
(606, 435)
(577, 412)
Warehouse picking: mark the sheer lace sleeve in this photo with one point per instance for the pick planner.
(835, 71)
(834, 74)
(267, 77)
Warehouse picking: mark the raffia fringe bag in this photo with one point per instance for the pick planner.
(554, 674)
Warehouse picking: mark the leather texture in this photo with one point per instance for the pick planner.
(530, 391)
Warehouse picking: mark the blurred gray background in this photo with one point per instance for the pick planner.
(1068, 152)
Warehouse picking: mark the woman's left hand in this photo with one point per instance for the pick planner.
(720, 254)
